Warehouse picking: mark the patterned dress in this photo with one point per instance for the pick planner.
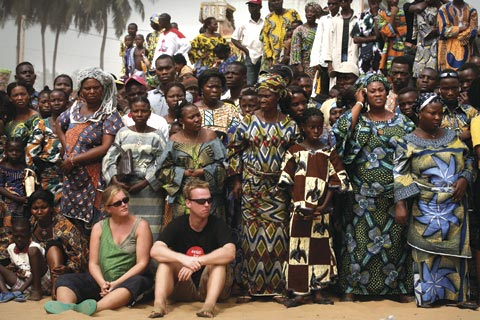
(273, 34)
(12, 181)
(42, 154)
(80, 197)
(371, 52)
(22, 129)
(454, 47)
(375, 258)
(201, 45)
(146, 148)
(395, 42)
(311, 260)
(177, 157)
(302, 42)
(426, 55)
(425, 171)
(458, 119)
(256, 151)
(220, 119)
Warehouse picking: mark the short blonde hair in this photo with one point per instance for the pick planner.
(192, 184)
(110, 192)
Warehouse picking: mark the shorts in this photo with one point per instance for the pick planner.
(46, 284)
(85, 287)
(186, 291)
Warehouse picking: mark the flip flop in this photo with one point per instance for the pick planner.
(205, 313)
(464, 305)
(6, 296)
(156, 314)
(87, 307)
(56, 307)
(19, 297)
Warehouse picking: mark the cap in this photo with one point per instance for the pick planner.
(138, 79)
(259, 2)
(154, 18)
(345, 67)
(190, 82)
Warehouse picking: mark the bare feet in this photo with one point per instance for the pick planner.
(156, 314)
(35, 296)
(205, 313)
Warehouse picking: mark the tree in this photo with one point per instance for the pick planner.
(41, 13)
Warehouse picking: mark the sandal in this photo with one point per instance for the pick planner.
(19, 297)
(205, 313)
(6, 296)
(465, 305)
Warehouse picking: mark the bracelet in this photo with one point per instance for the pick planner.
(360, 103)
(71, 161)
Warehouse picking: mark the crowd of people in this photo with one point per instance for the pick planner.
(300, 162)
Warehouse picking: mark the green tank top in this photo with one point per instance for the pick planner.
(116, 260)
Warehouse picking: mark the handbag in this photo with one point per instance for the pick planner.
(125, 164)
(30, 181)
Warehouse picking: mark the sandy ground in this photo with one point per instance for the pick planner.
(374, 310)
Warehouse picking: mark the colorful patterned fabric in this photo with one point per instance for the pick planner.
(219, 119)
(426, 56)
(80, 198)
(22, 129)
(201, 46)
(302, 42)
(12, 181)
(375, 258)
(70, 240)
(256, 151)
(273, 34)
(395, 37)
(146, 148)
(425, 171)
(455, 47)
(152, 40)
(177, 157)
(458, 119)
(42, 154)
(5, 231)
(308, 174)
(370, 53)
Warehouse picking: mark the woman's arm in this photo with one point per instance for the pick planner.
(143, 245)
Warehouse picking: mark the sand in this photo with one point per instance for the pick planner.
(374, 310)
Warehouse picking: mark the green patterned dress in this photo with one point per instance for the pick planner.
(375, 259)
(425, 171)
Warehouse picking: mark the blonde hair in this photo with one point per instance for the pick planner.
(110, 192)
(194, 184)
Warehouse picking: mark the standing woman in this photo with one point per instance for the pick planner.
(201, 53)
(194, 152)
(256, 151)
(432, 170)
(427, 38)
(216, 114)
(86, 131)
(375, 259)
(302, 40)
(146, 144)
(24, 118)
(365, 33)
(174, 92)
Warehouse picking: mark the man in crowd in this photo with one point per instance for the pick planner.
(236, 77)
(170, 40)
(427, 80)
(194, 252)
(25, 75)
(246, 38)
(401, 74)
(466, 74)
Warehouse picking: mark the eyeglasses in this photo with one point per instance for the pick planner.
(202, 201)
(119, 202)
(448, 74)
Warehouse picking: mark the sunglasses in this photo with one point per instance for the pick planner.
(119, 202)
(202, 201)
(448, 74)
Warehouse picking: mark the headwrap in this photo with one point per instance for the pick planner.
(272, 82)
(424, 99)
(371, 77)
(315, 6)
(154, 18)
(337, 104)
(109, 102)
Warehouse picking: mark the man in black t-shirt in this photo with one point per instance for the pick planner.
(193, 253)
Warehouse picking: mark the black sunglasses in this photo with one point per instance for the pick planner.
(202, 201)
(448, 74)
(119, 202)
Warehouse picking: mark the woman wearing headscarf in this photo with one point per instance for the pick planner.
(302, 40)
(87, 130)
(375, 259)
(256, 150)
(432, 168)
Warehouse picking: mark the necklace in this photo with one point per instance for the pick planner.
(431, 135)
(43, 231)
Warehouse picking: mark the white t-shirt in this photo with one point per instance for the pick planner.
(21, 259)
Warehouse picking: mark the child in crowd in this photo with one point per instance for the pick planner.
(175, 128)
(334, 92)
(142, 64)
(12, 174)
(248, 101)
(407, 98)
(44, 103)
(128, 57)
(224, 57)
(311, 172)
(31, 274)
(298, 104)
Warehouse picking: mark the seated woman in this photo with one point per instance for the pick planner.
(65, 249)
(119, 256)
